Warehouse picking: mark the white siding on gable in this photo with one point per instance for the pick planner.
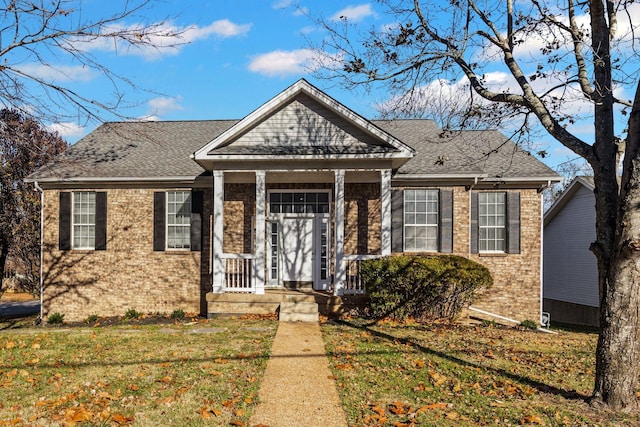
(570, 268)
(304, 122)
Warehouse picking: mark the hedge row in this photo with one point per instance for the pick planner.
(422, 287)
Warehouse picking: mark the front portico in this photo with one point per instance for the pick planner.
(299, 155)
(304, 228)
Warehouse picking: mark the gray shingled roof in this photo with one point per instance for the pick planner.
(136, 150)
(162, 150)
(486, 152)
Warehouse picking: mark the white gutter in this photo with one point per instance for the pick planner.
(507, 319)
(38, 188)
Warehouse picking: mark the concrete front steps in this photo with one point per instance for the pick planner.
(291, 305)
(298, 311)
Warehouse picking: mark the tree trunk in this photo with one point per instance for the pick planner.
(617, 365)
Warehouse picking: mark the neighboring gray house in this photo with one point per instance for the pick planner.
(570, 291)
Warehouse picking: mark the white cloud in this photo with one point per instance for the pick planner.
(354, 13)
(281, 4)
(283, 63)
(58, 73)
(68, 130)
(161, 41)
(162, 106)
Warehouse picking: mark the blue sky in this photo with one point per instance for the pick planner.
(235, 56)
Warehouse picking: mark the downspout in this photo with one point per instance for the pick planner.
(541, 256)
(39, 189)
(475, 182)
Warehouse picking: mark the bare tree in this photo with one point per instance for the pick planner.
(557, 61)
(24, 146)
(44, 42)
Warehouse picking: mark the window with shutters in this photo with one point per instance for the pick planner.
(179, 220)
(492, 222)
(421, 220)
(84, 220)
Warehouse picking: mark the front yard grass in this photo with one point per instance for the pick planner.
(182, 374)
(446, 375)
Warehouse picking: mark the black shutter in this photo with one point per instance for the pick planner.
(446, 221)
(397, 220)
(159, 221)
(101, 221)
(473, 242)
(64, 222)
(196, 220)
(513, 224)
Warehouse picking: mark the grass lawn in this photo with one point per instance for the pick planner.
(181, 374)
(443, 375)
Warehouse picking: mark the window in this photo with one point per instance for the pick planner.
(178, 220)
(420, 220)
(492, 222)
(84, 220)
(299, 202)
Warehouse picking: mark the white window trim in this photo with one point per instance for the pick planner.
(404, 223)
(167, 225)
(496, 227)
(74, 194)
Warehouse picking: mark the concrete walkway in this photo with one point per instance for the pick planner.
(298, 389)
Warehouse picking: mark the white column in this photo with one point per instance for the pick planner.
(385, 215)
(259, 250)
(218, 232)
(339, 268)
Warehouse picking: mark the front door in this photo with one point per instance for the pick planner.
(297, 251)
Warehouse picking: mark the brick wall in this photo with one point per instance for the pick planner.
(516, 277)
(362, 222)
(129, 274)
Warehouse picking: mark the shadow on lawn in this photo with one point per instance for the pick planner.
(540, 386)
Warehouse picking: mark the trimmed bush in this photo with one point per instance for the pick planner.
(422, 287)
(178, 313)
(55, 318)
(131, 314)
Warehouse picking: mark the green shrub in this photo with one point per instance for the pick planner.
(178, 313)
(131, 314)
(422, 287)
(92, 318)
(528, 324)
(55, 319)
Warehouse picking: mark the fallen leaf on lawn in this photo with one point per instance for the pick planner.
(35, 346)
(215, 373)
(431, 406)
(418, 363)
(452, 415)
(378, 409)
(437, 379)
(344, 366)
(238, 412)
(10, 345)
(533, 419)
(207, 410)
(237, 423)
(132, 387)
(219, 360)
(399, 408)
(166, 379)
(121, 419)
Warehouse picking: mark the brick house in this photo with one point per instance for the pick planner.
(157, 216)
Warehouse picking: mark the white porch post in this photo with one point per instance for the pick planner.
(385, 215)
(218, 232)
(339, 267)
(259, 249)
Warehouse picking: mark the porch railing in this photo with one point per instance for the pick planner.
(354, 284)
(239, 272)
